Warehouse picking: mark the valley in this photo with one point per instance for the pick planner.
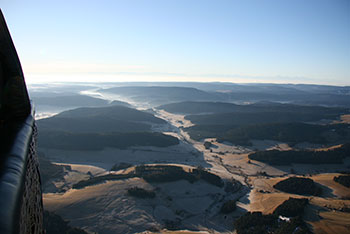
(183, 205)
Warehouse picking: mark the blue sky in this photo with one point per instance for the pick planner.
(137, 40)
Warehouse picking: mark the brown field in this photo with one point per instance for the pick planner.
(110, 209)
(328, 148)
(344, 119)
(332, 222)
(327, 180)
(323, 213)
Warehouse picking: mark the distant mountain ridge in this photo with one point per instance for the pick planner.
(244, 87)
(70, 100)
(259, 107)
(166, 93)
(158, 95)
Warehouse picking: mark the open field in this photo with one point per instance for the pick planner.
(182, 153)
(107, 205)
(332, 222)
(344, 119)
(189, 206)
(323, 213)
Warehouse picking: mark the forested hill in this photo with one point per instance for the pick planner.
(97, 128)
(72, 100)
(102, 119)
(276, 157)
(222, 107)
(243, 118)
(157, 95)
(239, 124)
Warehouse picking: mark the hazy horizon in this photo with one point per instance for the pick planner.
(167, 41)
(31, 82)
(278, 80)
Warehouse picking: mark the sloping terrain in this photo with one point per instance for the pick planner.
(108, 208)
(325, 214)
(157, 95)
(102, 119)
(97, 128)
(287, 157)
(223, 107)
(239, 124)
(75, 100)
(261, 117)
(214, 136)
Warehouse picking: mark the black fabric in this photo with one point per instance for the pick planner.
(14, 99)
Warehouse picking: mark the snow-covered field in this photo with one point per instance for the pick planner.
(106, 208)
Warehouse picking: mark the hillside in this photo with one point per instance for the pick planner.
(115, 112)
(299, 94)
(232, 92)
(239, 124)
(157, 174)
(222, 107)
(260, 117)
(291, 133)
(98, 128)
(120, 103)
(276, 157)
(201, 107)
(157, 95)
(98, 141)
(104, 119)
(121, 170)
(69, 101)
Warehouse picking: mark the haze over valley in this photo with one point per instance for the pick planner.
(166, 157)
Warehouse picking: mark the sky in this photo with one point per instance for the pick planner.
(240, 41)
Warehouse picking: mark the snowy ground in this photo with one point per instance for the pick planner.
(106, 208)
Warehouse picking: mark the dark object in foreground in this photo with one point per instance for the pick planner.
(299, 185)
(20, 187)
